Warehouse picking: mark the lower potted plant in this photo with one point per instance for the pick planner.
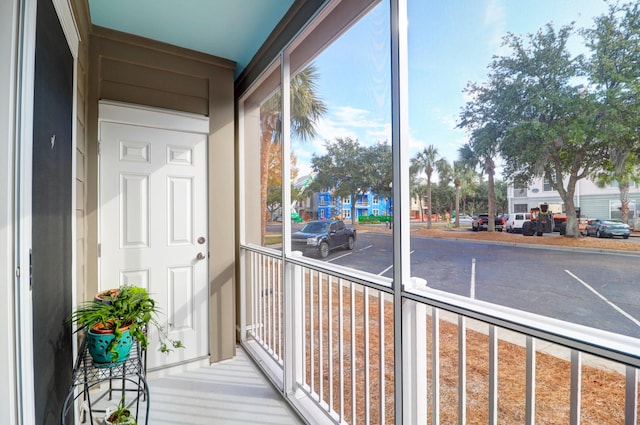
(114, 319)
(119, 415)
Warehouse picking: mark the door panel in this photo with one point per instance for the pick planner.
(153, 210)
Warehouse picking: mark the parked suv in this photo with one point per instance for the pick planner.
(323, 236)
(515, 221)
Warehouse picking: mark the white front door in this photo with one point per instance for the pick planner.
(153, 228)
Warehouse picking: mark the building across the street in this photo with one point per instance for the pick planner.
(593, 201)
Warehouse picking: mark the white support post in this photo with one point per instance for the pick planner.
(243, 294)
(414, 339)
(294, 326)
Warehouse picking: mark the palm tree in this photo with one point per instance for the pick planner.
(418, 191)
(481, 151)
(623, 169)
(461, 176)
(306, 109)
(425, 161)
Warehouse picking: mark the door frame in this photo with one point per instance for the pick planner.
(163, 119)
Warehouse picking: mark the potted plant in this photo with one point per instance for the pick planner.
(114, 319)
(121, 415)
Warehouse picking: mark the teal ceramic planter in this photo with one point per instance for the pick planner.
(97, 344)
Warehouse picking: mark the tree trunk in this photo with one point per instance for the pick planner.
(265, 147)
(490, 170)
(457, 222)
(428, 202)
(624, 201)
(573, 229)
(353, 210)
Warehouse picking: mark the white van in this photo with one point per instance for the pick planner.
(515, 221)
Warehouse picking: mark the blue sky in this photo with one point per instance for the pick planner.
(450, 44)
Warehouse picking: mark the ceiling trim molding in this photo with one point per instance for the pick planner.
(148, 43)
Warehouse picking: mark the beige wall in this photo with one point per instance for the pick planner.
(140, 71)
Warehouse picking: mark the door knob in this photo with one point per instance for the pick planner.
(200, 256)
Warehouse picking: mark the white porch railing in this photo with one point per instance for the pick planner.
(325, 338)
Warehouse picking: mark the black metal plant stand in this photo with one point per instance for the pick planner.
(86, 377)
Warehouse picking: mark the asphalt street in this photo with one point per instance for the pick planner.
(593, 289)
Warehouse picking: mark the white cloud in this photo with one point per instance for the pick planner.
(495, 21)
(342, 122)
(347, 121)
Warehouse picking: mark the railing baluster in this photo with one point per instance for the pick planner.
(462, 370)
(306, 276)
(341, 347)
(576, 385)
(435, 364)
(631, 396)
(312, 333)
(330, 343)
(269, 308)
(493, 375)
(382, 358)
(367, 382)
(259, 301)
(272, 304)
(320, 340)
(280, 298)
(530, 414)
(352, 310)
(254, 288)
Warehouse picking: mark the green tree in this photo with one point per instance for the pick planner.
(378, 167)
(425, 162)
(306, 110)
(614, 70)
(443, 197)
(481, 150)
(622, 170)
(341, 171)
(350, 170)
(548, 126)
(502, 203)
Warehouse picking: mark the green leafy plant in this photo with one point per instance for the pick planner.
(118, 309)
(121, 415)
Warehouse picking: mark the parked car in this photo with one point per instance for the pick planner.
(481, 222)
(514, 223)
(607, 229)
(465, 220)
(324, 236)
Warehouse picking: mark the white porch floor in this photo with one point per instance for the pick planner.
(230, 392)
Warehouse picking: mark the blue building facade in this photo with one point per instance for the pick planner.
(368, 204)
